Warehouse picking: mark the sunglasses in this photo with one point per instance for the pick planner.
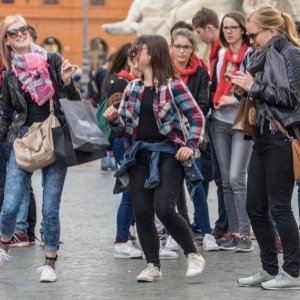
(13, 33)
(253, 36)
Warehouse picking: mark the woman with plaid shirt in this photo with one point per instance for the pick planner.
(158, 149)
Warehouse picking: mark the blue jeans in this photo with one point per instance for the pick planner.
(17, 182)
(233, 153)
(222, 222)
(28, 199)
(200, 205)
(125, 211)
(107, 162)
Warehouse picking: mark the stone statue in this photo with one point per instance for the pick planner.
(158, 16)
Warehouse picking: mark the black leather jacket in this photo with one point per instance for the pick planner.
(289, 114)
(12, 101)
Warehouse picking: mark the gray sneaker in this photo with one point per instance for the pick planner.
(231, 244)
(283, 281)
(244, 245)
(256, 280)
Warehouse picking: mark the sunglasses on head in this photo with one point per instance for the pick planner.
(13, 33)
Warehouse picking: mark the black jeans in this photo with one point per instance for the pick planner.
(160, 200)
(270, 186)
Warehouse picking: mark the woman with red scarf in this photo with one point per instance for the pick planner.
(233, 151)
(193, 73)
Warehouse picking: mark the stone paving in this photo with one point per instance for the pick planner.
(87, 270)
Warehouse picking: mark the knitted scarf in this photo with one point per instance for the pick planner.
(32, 70)
(2, 68)
(191, 68)
(213, 53)
(224, 85)
(268, 68)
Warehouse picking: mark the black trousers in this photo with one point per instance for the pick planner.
(160, 201)
(270, 187)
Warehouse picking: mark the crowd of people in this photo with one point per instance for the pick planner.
(171, 116)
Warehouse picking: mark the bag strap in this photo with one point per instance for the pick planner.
(51, 106)
(283, 131)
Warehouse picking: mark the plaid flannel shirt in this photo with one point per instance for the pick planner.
(165, 112)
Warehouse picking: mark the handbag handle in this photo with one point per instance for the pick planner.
(283, 131)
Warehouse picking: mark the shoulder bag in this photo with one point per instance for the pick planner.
(35, 150)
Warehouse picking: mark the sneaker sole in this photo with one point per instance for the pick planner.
(172, 248)
(48, 280)
(211, 249)
(122, 256)
(277, 289)
(145, 280)
(227, 248)
(23, 244)
(239, 250)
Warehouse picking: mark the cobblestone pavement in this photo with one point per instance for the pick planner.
(87, 270)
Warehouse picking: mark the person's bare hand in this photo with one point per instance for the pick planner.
(184, 153)
(243, 80)
(111, 114)
(225, 101)
(67, 70)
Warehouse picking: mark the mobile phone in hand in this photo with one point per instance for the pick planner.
(227, 76)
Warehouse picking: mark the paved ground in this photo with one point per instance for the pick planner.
(87, 270)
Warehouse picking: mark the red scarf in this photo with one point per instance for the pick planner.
(213, 53)
(224, 85)
(126, 75)
(1, 79)
(191, 68)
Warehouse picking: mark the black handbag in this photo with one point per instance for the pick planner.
(66, 156)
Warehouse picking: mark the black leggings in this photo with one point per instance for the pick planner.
(270, 186)
(160, 201)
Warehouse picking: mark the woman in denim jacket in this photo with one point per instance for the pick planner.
(33, 77)
(158, 149)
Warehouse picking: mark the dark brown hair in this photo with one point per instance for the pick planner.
(182, 24)
(161, 63)
(241, 20)
(205, 16)
(118, 63)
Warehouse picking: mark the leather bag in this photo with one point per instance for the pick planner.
(35, 150)
(245, 117)
(295, 149)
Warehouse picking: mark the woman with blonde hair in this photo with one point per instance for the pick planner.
(273, 82)
(33, 77)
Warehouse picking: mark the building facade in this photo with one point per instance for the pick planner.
(59, 24)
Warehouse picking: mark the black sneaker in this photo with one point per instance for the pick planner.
(244, 245)
(31, 237)
(226, 238)
(231, 244)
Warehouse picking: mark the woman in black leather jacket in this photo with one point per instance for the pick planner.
(33, 77)
(273, 82)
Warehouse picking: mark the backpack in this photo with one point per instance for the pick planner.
(94, 85)
(102, 106)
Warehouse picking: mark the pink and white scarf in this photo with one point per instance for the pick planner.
(32, 70)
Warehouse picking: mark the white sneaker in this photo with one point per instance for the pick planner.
(167, 254)
(150, 274)
(4, 256)
(196, 265)
(126, 250)
(47, 274)
(171, 244)
(209, 243)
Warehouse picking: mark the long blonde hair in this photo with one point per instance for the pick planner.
(5, 50)
(268, 17)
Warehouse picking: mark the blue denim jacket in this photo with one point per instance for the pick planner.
(192, 174)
